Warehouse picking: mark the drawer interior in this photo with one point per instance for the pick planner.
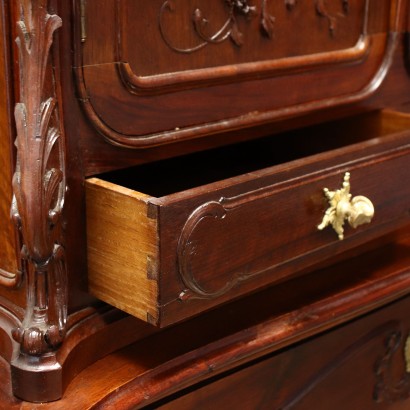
(170, 176)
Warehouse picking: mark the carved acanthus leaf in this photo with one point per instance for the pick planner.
(39, 183)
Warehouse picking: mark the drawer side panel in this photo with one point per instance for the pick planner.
(122, 249)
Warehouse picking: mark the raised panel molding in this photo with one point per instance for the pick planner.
(199, 30)
(151, 70)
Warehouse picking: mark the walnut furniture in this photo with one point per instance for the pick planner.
(204, 203)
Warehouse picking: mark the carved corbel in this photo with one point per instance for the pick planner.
(39, 187)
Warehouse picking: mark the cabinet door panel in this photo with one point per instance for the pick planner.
(152, 73)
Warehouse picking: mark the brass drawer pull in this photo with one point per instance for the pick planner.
(357, 210)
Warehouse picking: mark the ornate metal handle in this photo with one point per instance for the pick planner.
(357, 210)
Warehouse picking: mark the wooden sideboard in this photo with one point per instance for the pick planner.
(204, 203)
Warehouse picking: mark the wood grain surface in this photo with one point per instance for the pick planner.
(159, 98)
(7, 233)
(111, 360)
(122, 249)
(216, 345)
(221, 240)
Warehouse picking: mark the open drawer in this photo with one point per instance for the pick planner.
(252, 219)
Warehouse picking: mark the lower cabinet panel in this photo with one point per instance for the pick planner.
(361, 365)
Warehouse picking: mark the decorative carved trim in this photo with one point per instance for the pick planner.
(231, 30)
(222, 212)
(386, 389)
(187, 246)
(10, 318)
(187, 249)
(322, 11)
(141, 85)
(196, 78)
(11, 280)
(39, 183)
(347, 355)
(152, 84)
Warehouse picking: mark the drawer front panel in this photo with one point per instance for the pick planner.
(361, 365)
(158, 72)
(233, 244)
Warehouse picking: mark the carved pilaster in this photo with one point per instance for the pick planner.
(39, 186)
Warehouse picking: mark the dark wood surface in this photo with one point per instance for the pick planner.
(63, 337)
(8, 250)
(226, 339)
(359, 366)
(224, 239)
(343, 64)
(99, 155)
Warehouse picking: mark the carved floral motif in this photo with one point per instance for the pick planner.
(231, 28)
(322, 11)
(39, 183)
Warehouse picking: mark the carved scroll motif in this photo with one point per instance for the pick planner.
(39, 183)
(387, 389)
(220, 212)
(187, 250)
(322, 11)
(231, 29)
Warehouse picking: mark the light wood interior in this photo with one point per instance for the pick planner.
(122, 249)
